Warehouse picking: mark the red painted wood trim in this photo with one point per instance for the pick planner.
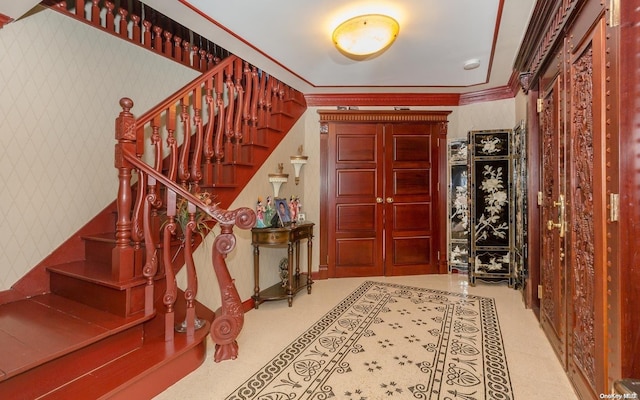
(4, 20)
(499, 93)
(382, 99)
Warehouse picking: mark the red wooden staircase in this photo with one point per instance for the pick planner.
(97, 318)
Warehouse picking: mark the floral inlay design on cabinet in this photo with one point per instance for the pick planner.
(490, 212)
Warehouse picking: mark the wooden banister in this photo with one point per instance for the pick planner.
(155, 32)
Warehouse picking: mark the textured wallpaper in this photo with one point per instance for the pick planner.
(60, 83)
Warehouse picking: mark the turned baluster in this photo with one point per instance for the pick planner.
(228, 123)
(135, 29)
(150, 237)
(254, 103)
(239, 110)
(123, 23)
(202, 66)
(146, 35)
(191, 320)
(246, 109)
(157, 39)
(80, 9)
(109, 18)
(171, 290)
(168, 46)
(95, 12)
(262, 99)
(172, 144)
(183, 167)
(196, 171)
(156, 144)
(208, 151)
(177, 49)
(219, 137)
(186, 53)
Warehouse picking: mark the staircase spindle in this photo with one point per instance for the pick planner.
(219, 138)
(123, 23)
(196, 159)
(192, 281)
(95, 12)
(172, 143)
(246, 109)
(228, 123)
(151, 265)
(110, 18)
(208, 150)
(171, 290)
(183, 167)
(239, 109)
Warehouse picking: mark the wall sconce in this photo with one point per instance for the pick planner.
(365, 34)
(298, 161)
(277, 180)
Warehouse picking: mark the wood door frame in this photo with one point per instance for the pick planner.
(381, 116)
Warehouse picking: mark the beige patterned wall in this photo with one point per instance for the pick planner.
(60, 83)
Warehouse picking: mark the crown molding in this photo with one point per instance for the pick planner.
(382, 99)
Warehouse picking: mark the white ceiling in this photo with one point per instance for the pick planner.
(291, 39)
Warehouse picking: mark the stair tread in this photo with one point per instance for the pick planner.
(108, 237)
(42, 328)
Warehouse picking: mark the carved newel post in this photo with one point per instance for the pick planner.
(228, 323)
(122, 261)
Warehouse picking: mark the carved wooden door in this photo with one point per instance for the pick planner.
(587, 213)
(553, 273)
(574, 212)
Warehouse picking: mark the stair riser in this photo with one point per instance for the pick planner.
(54, 374)
(119, 302)
(99, 251)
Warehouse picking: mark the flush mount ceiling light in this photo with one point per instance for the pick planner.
(365, 34)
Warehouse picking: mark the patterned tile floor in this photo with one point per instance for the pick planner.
(535, 371)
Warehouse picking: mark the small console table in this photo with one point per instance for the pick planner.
(289, 236)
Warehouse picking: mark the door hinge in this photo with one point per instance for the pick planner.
(614, 207)
(540, 105)
(539, 291)
(540, 198)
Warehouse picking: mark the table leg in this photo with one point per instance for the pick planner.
(256, 276)
(291, 277)
(309, 250)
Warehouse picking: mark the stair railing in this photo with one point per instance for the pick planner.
(141, 25)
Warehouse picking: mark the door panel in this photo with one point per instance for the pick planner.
(409, 177)
(356, 246)
(553, 314)
(587, 357)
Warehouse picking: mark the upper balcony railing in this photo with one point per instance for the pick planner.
(139, 24)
